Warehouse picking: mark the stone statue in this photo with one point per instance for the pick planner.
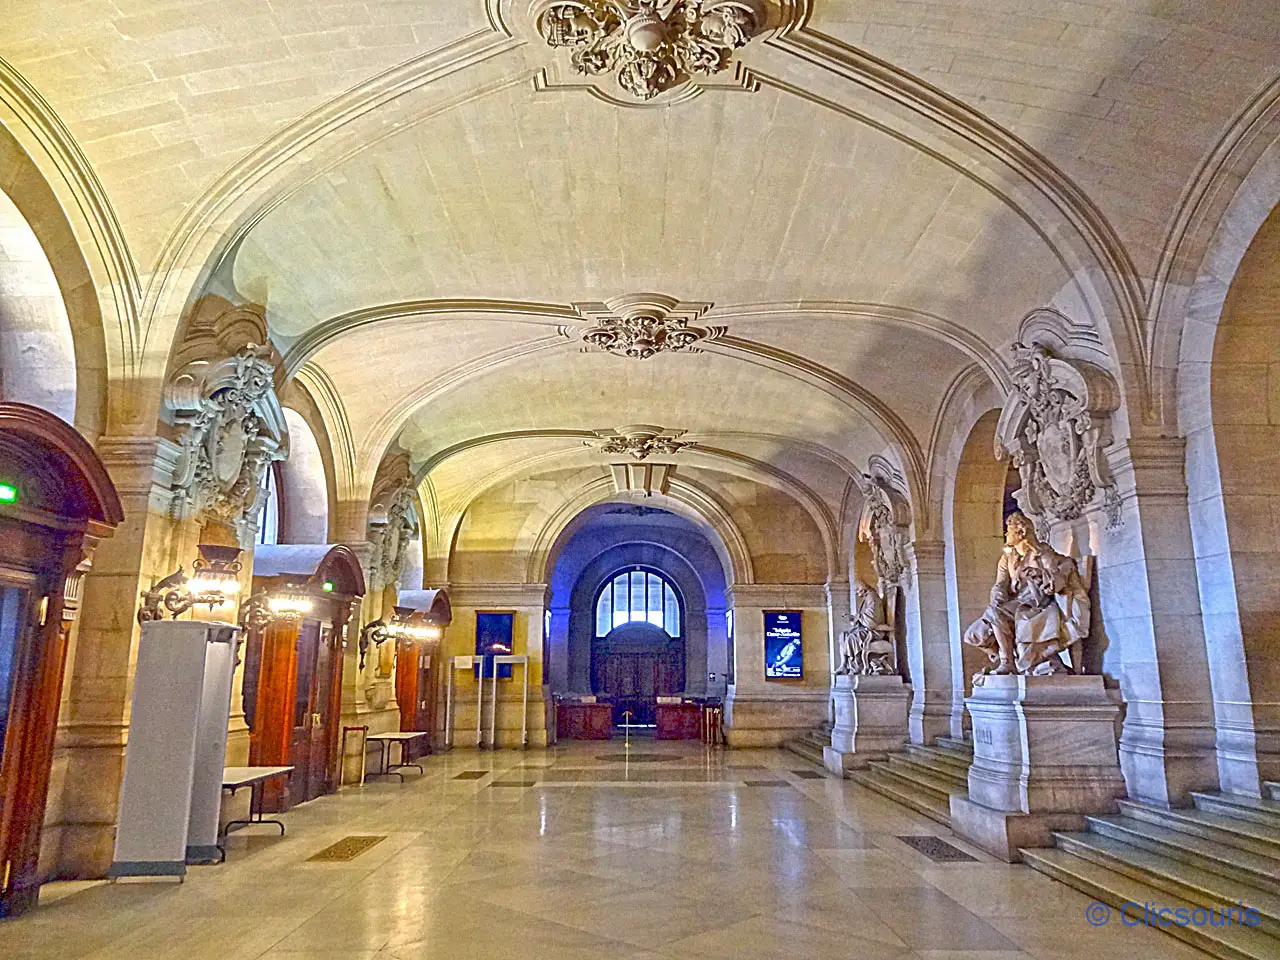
(1039, 608)
(866, 648)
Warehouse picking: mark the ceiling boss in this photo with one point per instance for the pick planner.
(652, 46)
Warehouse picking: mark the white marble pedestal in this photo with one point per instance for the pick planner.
(1044, 755)
(870, 720)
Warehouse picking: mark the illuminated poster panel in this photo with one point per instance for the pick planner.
(494, 636)
(783, 649)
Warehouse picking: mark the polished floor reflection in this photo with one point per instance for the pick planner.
(579, 853)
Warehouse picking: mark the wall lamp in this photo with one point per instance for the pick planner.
(214, 581)
(403, 624)
(290, 603)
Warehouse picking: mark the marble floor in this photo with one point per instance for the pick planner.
(589, 851)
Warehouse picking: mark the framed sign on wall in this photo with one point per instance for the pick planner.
(783, 645)
(494, 635)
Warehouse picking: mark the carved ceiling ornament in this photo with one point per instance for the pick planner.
(231, 427)
(651, 46)
(639, 441)
(884, 523)
(393, 525)
(1054, 426)
(642, 325)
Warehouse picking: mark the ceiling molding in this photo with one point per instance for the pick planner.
(327, 398)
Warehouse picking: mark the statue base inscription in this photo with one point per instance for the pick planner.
(1044, 755)
(870, 721)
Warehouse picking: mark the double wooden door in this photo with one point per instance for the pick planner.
(295, 709)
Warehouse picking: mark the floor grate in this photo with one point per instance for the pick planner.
(348, 848)
(765, 783)
(939, 851)
(471, 774)
(809, 775)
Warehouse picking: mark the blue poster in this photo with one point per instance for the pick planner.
(494, 636)
(783, 652)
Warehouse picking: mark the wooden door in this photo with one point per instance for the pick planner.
(303, 714)
(323, 719)
(32, 656)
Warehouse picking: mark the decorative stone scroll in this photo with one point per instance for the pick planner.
(884, 523)
(639, 441)
(642, 325)
(1054, 426)
(231, 428)
(393, 525)
(651, 46)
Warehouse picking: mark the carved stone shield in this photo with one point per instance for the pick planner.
(1058, 447)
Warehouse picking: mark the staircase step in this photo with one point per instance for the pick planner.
(805, 751)
(941, 759)
(1244, 834)
(1265, 812)
(908, 796)
(954, 779)
(1181, 880)
(938, 788)
(1243, 866)
(955, 745)
(1236, 942)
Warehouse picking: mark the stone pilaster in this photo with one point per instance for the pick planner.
(1149, 604)
(937, 698)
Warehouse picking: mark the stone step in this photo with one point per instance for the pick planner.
(1235, 942)
(1272, 790)
(1244, 834)
(906, 794)
(1181, 880)
(955, 745)
(938, 788)
(1265, 812)
(806, 751)
(909, 765)
(939, 760)
(1213, 855)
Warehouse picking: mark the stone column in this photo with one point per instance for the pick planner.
(760, 713)
(1149, 604)
(937, 699)
(839, 607)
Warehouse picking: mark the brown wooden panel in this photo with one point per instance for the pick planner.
(584, 721)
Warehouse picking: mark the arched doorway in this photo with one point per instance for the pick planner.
(293, 666)
(56, 503)
(638, 649)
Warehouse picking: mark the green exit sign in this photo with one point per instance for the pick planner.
(8, 493)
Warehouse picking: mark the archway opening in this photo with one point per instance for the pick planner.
(37, 353)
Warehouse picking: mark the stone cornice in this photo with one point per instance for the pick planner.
(481, 595)
(803, 596)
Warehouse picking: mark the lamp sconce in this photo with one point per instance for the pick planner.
(405, 624)
(262, 609)
(215, 580)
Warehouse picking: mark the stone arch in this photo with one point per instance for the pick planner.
(76, 316)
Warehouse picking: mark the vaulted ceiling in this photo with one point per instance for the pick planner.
(420, 196)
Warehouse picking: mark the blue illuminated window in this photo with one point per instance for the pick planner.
(638, 596)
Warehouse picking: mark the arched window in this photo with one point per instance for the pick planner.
(638, 595)
(269, 521)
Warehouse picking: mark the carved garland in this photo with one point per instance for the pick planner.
(639, 441)
(1054, 427)
(232, 428)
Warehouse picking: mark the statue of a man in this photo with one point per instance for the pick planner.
(866, 648)
(1039, 608)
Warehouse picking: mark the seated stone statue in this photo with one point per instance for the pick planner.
(1039, 608)
(866, 648)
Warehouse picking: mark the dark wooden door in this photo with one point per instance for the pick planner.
(301, 738)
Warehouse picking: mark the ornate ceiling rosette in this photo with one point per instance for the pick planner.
(650, 45)
(642, 325)
(639, 441)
